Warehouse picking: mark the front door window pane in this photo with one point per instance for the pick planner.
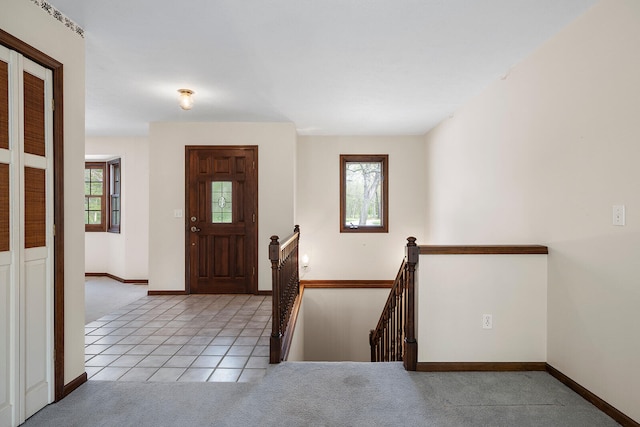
(221, 202)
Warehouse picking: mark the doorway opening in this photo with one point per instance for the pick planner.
(56, 191)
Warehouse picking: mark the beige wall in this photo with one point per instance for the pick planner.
(337, 323)
(296, 351)
(344, 256)
(455, 291)
(541, 157)
(125, 255)
(276, 156)
(34, 26)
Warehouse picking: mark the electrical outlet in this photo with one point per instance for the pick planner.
(487, 321)
(618, 215)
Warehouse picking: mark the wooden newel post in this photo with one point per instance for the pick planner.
(275, 346)
(410, 344)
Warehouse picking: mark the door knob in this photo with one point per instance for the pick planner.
(195, 229)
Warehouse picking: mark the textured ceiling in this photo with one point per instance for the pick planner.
(332, 67)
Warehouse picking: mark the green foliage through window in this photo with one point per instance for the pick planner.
(364, 193)
(94, 194)
(102, 202)
(364, 189)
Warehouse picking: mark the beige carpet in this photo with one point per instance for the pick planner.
(332, 394)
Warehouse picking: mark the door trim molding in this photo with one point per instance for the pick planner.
(187, 269)
(56, 68)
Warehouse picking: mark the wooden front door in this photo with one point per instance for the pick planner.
(221, 219)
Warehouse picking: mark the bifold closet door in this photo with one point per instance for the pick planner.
(6, 339)
(26, 239)
(36, 226)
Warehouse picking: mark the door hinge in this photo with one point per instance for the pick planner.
(54, 230)
(254, 165)
(53, 104)
(254, 217)
(254, 271)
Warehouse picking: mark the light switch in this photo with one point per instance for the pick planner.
(177, 213)
(618, 215)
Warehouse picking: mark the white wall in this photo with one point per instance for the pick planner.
(34, 26)
(337, 323)
(356, 256)
(296, 351)
(124, 254)
(456, 290)
(276, 156)
(541, 157)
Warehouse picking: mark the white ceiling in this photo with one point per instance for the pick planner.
(332, 67)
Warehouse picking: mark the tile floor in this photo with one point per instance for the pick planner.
(198, 338)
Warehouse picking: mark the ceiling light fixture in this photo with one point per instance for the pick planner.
(186, 98)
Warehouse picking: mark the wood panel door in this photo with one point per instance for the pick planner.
(26, 238)
(221, 219)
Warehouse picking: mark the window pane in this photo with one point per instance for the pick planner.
(95, 217)
(115, 211)
(113, 190)
(96, 175)
(363, 194)
(221, 202)
(96, 189)
(95, 204)
(87, 175)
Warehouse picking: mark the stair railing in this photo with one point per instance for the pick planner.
(394, 337)
(286, 288)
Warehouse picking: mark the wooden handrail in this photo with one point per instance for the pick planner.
(394, 337)
(483, 250)
(286, 288)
